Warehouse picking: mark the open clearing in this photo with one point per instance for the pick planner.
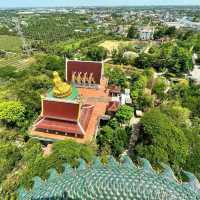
(10, 43)
(114, 44)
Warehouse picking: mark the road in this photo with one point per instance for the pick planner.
(135, 123)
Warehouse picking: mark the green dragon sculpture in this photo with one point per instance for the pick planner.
(114, 181)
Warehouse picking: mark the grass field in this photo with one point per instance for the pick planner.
(114, 44)
(16, 61)
(10, 43)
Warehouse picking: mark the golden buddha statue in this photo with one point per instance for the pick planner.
(60, 89)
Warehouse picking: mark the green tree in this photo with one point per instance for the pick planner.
(133, 33)
(116, 140)
(8, 135)
(149, 73)
(159, 87)
(105, 136)
(137, 90)
(116, 76)
(124, 114)
(97, 53)
(170, 31)
(145, 101)
(172, 56)
(70, 151)
(8, 72)
(54, 63)
(66, 151)
(113, 123)
(31, 150)
(37, 167)
(164, 31)
(179, 114)
(28, 92)
(190, 99)
(120, 140)
(9, 157)
(12, 113)
(161, 140)
(117, 55)
(193, 161)
(140, 84)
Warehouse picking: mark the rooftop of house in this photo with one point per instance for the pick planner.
(147, 29)
(113, 106)
(115, 89)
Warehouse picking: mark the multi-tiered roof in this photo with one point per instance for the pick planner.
(76, 115)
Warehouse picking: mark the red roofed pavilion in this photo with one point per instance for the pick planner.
(76, 116)
(64, 118)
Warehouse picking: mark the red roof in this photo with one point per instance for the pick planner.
(59, 125)
(99, 98)
(115, 89)
(60, 116)
(60, 110)
(84, 66)
(113, 106)
(86, 112)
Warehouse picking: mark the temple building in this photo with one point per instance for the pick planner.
(73, 108)
(84, 73)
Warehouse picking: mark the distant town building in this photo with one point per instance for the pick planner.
(184, 23)
(146, 33)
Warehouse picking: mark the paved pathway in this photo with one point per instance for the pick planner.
(135, 123)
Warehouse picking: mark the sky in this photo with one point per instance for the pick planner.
(58, 3)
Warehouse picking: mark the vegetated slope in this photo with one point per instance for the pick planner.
(10, 43)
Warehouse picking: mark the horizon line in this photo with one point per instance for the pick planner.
(102, 6)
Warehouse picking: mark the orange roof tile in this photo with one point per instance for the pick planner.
(113, 106)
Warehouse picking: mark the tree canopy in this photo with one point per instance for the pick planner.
(133, 32)
(10, 155)
(124, 113)
(161, 140)
(97, 53)
(12, 113)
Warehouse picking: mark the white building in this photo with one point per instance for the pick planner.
(195, 74)
(184, 23)
(146, 33)
(126, 98)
